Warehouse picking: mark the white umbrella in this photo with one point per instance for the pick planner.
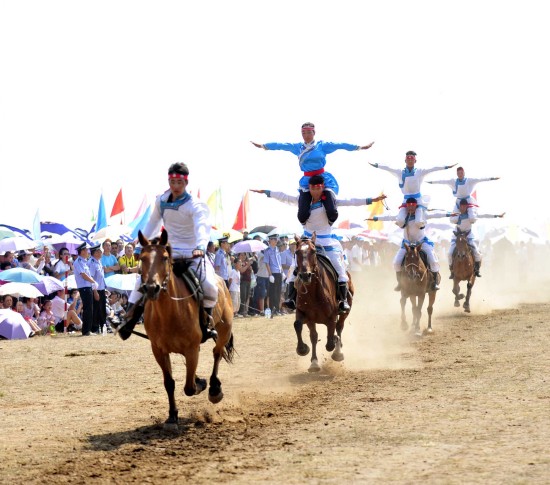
(123, 282)
(249, 246)
(287, 230)
(20, 289)
(17, 244)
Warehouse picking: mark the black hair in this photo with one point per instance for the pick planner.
(411, 200)
(178, 168)
(463, 202)
(316, 180)
(410, 152)
(308, 124)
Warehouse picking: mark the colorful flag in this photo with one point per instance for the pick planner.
(142, 208)
(118, 206)
(242, 214)
(344, 224)
(214, 203)
(101, 215)
(139, 223)
(376, 209)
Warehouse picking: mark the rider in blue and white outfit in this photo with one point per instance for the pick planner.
(463, 188)
(328, 243)
(412, 233)
(464, 223)
(410, 181)
(187, 221)
(312, 159)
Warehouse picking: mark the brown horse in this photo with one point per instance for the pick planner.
(317, 302)
(171, 319)
(463, 268)
(416, 281)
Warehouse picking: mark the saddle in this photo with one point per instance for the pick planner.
(327, 264)
(182, 269)
(423, 257)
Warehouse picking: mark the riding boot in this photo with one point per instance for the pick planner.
(207, 326)
(435, 275)
(452, 277)
(343, 305)
(130, 320)
(398, 276)
(290, 302)
(477, 265)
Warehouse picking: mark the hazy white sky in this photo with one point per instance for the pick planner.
(95, 96)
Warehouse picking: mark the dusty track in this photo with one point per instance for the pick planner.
(469, 404)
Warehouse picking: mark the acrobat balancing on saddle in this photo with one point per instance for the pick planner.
(410, 182)
(463, 189)
(464, 222)
(312, 160)
(414, 234)
(327, 243)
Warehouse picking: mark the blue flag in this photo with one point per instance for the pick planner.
(101, 215)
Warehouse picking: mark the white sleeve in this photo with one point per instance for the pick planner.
(282, 197)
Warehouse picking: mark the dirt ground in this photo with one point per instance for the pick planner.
(468, 404)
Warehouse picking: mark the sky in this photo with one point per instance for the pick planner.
(99, 96)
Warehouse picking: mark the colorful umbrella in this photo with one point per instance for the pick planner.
(13, 325)
(249, 246)
(49, 284)
(17, 244)
(20, 275)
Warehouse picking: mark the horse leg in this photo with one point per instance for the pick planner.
(456, 290)
(468, 294)
(431, 300)
(419, 305)
(193, 384)
(338, 355)
(163, 361)
(302, 348)
(403, 302)
(331, 338)
(414, 305)
(313, 336)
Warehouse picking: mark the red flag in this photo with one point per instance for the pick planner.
(118, 206)
(474, 194)
(240, 218)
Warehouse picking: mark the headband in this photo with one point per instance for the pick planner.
(316, 185)
(177, 176)
(308, 128)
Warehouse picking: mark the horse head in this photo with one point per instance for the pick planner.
(413, 264)
(462, 248)
(306, 257)
(156, 264)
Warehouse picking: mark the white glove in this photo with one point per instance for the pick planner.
(272, 279)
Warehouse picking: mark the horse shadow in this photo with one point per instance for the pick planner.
(144, 435)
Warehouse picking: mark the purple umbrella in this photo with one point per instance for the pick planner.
(13, 325)
(49, 284)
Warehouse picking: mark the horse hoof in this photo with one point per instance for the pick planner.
(200, 385)
(456, 303)
(429, 330)
(314, 367)
(404, 326)
(171, 426)
(467, 309)
(338, 357)
(418, 334)
(460, 297)
(215, 399)
(302, 350)
(330, 346)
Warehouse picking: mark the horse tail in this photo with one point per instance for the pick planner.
(229, 351)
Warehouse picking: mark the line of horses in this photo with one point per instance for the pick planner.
(173, 310)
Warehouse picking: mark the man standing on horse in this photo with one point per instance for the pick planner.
(464, 223)
(327, 242)
(463, 188)
(410, 182)
(312, 160)
(187, 221)
(413, 234)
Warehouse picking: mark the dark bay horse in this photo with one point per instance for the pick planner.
(317, 302)
(463, 268)
(171, 319)
(416, 281)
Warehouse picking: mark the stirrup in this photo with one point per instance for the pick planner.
(208, 330)
(343, 307)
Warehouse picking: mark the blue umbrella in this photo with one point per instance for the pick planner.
(20, 275)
